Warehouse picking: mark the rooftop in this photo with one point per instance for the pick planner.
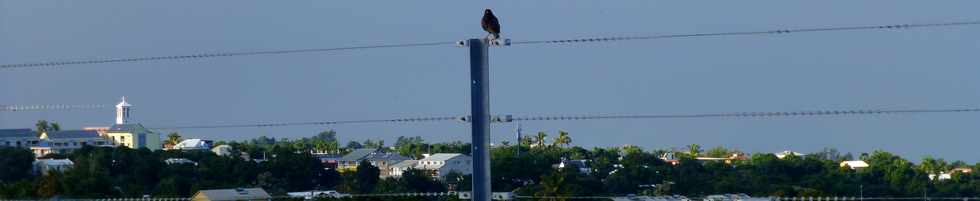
(21, 132)
(234, 194)
(54, 162)
(192, 144)
(126, 127)
(73, 134)
(405, 164)
(442, 157)
(358, 154)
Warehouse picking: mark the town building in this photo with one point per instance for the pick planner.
(580, 165)
(222, 150)
(786, 153)
(193, 144)
(18, 138)
(134, 136)
(964, 170)
(236, 194)
(129, 134)
(43, 166)
(399, 168)
(377, 157)
(670, 158)
(64, 142)
(440, 165)
(331, 161)
(854, 165)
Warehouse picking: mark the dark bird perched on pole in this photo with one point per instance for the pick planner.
(490, 24)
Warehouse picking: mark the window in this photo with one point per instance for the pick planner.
(122, 138)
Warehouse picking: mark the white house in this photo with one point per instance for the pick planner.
(43, 166)
(222, 150)
(786, 153)
(440, 165)
(193, 144)
(398, 168)
(580, 165)
(854, 165)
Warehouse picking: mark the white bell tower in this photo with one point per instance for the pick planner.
(123, 111)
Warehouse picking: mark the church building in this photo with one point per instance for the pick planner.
(130, 134)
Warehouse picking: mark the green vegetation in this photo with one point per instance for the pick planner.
(288, 165)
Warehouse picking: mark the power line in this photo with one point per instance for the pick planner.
(745, 114)
(769, 32)
(283, 124)
(593, 117)
(23, 108)
(211, 55)
(529, 42)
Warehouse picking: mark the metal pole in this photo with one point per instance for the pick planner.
(480, 105)
(519, 138)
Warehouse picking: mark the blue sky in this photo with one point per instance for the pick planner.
(883, 69)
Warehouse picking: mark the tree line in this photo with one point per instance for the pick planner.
(284, 165)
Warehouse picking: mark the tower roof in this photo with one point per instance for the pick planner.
(123, 103)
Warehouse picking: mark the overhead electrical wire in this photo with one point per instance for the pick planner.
(211, 55)
(592, 117)
(745, 114)
(315, 123)
(22, 108)
(768, 32)
(529, 42)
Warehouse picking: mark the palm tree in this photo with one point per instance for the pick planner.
(540, 139)
(42, 126)
(173, 138)
(563, 139)
(320, 146)
(694, 150)
(527, 140)
(55, 127)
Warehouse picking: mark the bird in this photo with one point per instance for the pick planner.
(490, 24)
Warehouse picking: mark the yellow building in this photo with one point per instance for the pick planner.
(132, 135)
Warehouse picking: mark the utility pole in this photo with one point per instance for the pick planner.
(519, 139)
(480, 111)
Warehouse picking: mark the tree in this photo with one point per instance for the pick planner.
(15, 164)
(50, 185)
(42, 126)
(366, 177)
(527, 141)
(354, 145)
(694, 150)
(327, 135)
(718, 152)
(563, 139)
(173, 138)
(540, 139)
(55, 126)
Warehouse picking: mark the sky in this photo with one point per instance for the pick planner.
(877, 69)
